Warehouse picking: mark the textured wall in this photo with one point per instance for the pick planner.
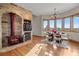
(23, 13)
(18, 25)
(0, 34)
(5, 25)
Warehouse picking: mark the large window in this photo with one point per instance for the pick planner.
(48, 25)
(51, 23)
(59, 24)
(67, 24)
(45, 23)
(76, 23)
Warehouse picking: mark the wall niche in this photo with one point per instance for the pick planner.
(27, 28)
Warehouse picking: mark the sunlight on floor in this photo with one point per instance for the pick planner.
(50, 53)
(55, 47)
(36, 49)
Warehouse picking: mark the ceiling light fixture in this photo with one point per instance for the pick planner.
(54, 14)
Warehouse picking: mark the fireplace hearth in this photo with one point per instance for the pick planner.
(12, 40)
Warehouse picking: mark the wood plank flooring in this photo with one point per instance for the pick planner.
(23, 50)
(49, 50)
(45, 51)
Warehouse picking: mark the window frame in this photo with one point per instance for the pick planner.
(61, 24)
(53, 24)
(66, 23)
(71, 22)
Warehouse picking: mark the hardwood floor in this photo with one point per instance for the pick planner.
(72, 51)
(46, 50)
(23, 50)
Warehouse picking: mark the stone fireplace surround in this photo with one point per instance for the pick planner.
(23, 13)
(13, 39)
(12, 31)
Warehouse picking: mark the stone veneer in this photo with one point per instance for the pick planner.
(23, 13)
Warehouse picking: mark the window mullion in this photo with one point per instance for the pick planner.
(62, 24)
(55, 24)
(71, 23)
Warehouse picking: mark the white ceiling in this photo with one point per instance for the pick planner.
(47, 8)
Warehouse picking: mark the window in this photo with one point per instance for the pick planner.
(51, 23)
(45, 23)
(76, 23)
(59, 24)
(67, 24)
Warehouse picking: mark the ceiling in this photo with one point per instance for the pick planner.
(47, 8)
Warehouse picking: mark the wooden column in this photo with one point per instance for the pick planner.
(62, 24)
(71, 23)
(48, 28)
(0, 30)
(22, 26)
(55, 24)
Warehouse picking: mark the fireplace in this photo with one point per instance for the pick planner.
(27, 36)
(12, 39)
(12, 29)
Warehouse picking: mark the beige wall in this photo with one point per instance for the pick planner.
(36, 25)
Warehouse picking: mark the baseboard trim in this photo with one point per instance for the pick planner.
(44, 36)
(74, 40)
(38, 36)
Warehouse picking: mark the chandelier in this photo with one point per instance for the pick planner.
(54, 14)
